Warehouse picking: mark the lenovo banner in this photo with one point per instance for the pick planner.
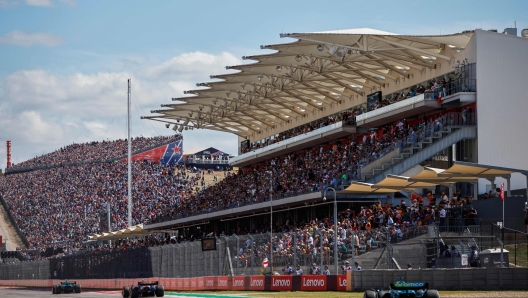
(256, 283)
(313, 283)
(222, 283)
(210, 283)
(281, 283)
(341, 282)
(238, 283)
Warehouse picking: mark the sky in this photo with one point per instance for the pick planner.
(64, 64)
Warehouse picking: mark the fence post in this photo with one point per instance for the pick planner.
(294, 250)
(237, 254)
(252, 254)
(515, 245)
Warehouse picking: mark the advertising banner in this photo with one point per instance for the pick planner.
(256, 283)
(313, 283)
(210, 283)
(222, 283)
(342, 282)
(281, 283)
(238, 283)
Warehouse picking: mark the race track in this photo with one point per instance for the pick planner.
(41, 292)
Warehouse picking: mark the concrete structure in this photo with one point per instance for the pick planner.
(323, 74)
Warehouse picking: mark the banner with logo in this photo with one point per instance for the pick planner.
(313, 283)
(256, 283)
(281, 283)
(167, 154)
(222, 283)
(238, 283)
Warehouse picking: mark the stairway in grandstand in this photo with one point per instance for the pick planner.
(421, 151)
(10, 238)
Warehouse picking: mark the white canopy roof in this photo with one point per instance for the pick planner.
(429, 177)
(134, 231)
(319, 69)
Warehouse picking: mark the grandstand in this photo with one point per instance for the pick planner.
(325, 112)
(336, 107)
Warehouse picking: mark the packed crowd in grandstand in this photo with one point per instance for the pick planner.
(96, 151)
(61, 206)
(348, 117)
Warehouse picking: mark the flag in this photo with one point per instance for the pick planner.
(502, 191)
(265, 263)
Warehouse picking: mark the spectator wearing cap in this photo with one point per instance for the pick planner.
(299, 270)
(326, 271)
(409, 266)
(346, 267)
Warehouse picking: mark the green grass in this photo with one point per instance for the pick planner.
(522, 257)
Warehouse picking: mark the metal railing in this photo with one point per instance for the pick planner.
(206, 161)
(235, 255)
(515, 242)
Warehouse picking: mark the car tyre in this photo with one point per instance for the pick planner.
(384, 294)
(58, 289)
(432, 294)
(77, 289)
(370, 294)
(126, 292)
(53, 289)
(135, 292)
(160, 291)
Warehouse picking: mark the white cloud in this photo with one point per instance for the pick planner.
(41, 111)
(24, 39)
(43, 3)
(189, 66)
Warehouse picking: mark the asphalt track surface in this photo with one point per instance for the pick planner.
(41, 292)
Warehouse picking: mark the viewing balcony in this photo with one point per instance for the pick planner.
(310, 139)
(406, 108)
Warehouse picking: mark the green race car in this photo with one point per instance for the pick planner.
(66, 287)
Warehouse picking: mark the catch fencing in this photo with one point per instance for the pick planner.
(234, 256)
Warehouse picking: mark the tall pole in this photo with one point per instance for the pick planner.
(108, 221)
(335, 228)
(129, 163)
(271, 221)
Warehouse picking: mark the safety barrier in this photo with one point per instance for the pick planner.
(235, 283)
(440, 279)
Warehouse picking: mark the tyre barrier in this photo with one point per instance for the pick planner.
(235, 283)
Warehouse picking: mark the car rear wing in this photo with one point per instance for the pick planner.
(145, 283)
(409, 285)
(71, 282)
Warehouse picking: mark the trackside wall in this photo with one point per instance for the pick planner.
(440, 279)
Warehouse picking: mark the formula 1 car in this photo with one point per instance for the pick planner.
(66, 287)
(143, 289)
(404, 289)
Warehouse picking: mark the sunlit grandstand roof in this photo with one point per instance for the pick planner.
(318, 69)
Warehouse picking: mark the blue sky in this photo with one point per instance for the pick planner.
(64, 63)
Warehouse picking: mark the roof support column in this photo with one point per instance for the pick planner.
(508, 186)
(493, 186)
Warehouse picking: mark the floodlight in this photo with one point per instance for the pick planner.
(298, 58)
(278, 68)
(175, 127)
(259, 78)
(167, 125)
(320, 47)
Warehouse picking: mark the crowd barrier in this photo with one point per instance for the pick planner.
(473, 279)
(209, 283)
